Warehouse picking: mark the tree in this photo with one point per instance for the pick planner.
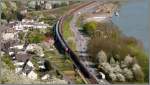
(89, 27)
(3, 16)
(55, 5)
(138, 73)
(102, 57)
(37, 6)
(128, 74)
(120, 77)
(112, 61)
(118, 46)
(47, 65)
(19, 16)
(106, 67)
(35, 37)
(112, 76)
(7, 60)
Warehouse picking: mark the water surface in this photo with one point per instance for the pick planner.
(133, 21)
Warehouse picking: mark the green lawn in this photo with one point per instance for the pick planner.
(35, 36)
(7, 60)
(66, 28)
(68, 34)
(63, 63)
(142, 59)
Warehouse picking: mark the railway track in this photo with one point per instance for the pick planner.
(58, 29)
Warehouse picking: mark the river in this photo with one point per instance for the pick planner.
(133, 21)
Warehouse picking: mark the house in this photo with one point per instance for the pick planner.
(11, 53)
(36, 49)
(9, 36)
(27, 20)
(96, 17)
(24, 11)
(27, 24)
(19, 47)
(48, 44)
(18, 27)
(32, 75)
(19, 66)
(29, 63)
(18, 69)
(19, 63)
(8, 28)
(25, 68)
(45, 4)
(28, 70)
(5, 44)
(46, 76)
(41, 64)
(22, 57)
(48, 5)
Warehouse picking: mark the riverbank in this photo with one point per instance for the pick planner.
(111, 50)
(134, 21)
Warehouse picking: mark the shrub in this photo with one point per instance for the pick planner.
(35, 37)
(7, 60)
(89, 27)
(138, 74)
(108, 38)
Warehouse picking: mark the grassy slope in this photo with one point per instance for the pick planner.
(67, 33)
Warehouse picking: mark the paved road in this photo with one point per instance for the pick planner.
(85, 70)
(81, 41)
(59, 38)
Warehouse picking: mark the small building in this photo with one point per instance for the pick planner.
(96, 17)
(48, 43)
(6, 44)
(27, 24)
(18, 69)
(22, 57)
(28, 70)
(32, 75)
(19, 47)
(9, 36)
(36, 49)
(48, 5)
(45, 77)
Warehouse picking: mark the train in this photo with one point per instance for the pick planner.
(78, 64)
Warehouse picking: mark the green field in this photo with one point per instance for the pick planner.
(68, 34)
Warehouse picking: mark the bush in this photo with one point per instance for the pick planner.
(35, 36)
(138, 74)
(89, 27)
(109, 39)
(7, 60)
(142, 60)
(48, 65)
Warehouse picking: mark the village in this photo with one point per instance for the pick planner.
(68, 42)
(27, 58)
(27, 44)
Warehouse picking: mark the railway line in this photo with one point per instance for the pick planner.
(59, 38)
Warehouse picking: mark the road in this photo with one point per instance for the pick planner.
(59, 39)
(81, 41)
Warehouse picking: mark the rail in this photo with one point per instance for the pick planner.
(59, 27)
